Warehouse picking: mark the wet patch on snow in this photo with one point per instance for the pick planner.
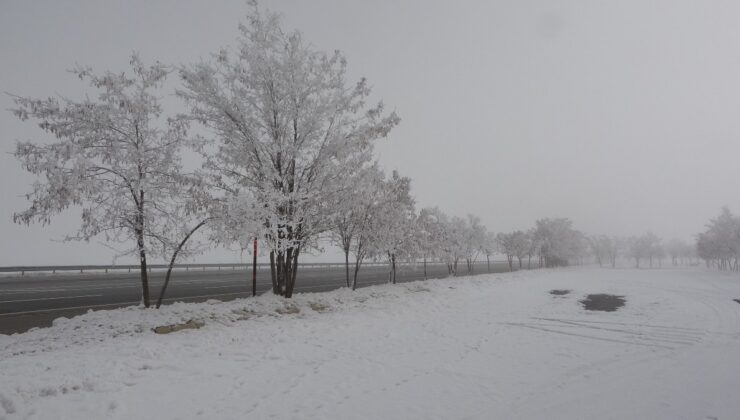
(736, 300)
(603, 302)
(559, 292)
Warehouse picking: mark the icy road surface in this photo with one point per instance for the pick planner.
(493, 346)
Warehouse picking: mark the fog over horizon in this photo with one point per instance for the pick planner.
(622, 117)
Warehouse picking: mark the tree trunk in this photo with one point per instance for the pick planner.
(172, 261)
(425, 268)
(390, 268)
(284, 269)
(292, 272)
(393, 265)
(280, 272)
(273, 273)
(254, 267)
(144, 271)
(358, 263)
(346, 264)
(488, 262)
(511, 262)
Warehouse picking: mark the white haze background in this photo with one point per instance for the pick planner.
(621, 116)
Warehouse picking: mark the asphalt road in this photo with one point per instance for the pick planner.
(36, 300)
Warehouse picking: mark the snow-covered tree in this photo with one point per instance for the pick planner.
(679, 251)
(521, 246)
(509, 244)
(534, 247)
(560, 243)
(490, 245)
(431, 230)
(452, 243)
(392, 225)
(355, 212)
(473, 240)
(597, 249)
(605, 249)
(364, 212)
(118, 158)
(637, 248)
(613, 245)
(289, 129)
(516, 244)
(657, 251)
(647, 246)
(719, 244)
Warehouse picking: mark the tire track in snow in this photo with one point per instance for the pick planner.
(592, 337)
(641, 333)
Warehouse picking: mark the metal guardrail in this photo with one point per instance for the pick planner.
(187, 267)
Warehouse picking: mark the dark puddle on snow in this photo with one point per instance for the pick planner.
(603, 302)
(736, 300)
(559, 292)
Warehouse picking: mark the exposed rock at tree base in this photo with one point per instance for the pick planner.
(190, 325)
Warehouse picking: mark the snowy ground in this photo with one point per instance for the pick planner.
(498, 346)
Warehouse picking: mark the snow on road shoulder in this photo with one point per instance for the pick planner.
(490, 346)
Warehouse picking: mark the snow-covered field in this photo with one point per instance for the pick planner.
(491, 346)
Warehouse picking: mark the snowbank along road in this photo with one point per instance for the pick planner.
(34, 301)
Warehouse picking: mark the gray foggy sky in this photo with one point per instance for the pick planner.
(623, 116)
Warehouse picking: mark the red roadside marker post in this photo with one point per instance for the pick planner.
(254, 269)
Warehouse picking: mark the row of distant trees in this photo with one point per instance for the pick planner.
(553, 242)
(718, 246)
(644, 249)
